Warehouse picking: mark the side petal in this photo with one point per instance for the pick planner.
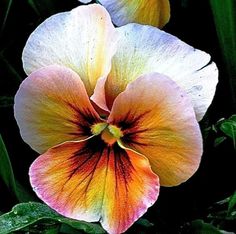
(83, 39)
(158, 121)
(145, 49)
(52, 106)
(151, 12)
(90, 181)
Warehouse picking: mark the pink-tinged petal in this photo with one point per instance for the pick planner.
(158, 121)
(145, 49)
(83, 39)
(91, 181)
(151, 12)
(99, 96)
(52, 106)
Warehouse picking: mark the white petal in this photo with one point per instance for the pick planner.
(145, 49)
(83, 39)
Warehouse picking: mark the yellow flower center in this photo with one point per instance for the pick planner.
(109, 133)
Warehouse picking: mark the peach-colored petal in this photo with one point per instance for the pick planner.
(145, 49)
(158, 121)
(151, 12)
(83, 39)
(99, 95)
(52, 106)
(91, 181)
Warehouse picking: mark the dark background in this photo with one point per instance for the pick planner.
(191, 21)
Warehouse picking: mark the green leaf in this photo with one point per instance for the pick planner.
(233, 118)
(7, 175)
(26, 214)
(9, 4)
(23, 195)
(66, 229)
(200, 227)
(216, 126)
(34, 6)
(228, 127)
(232, 203)
(225, 22)
(219, 140)
(224, 210)
(6, 101)
(6, 172)
(144, 223)
(10, 68)
(43, 7)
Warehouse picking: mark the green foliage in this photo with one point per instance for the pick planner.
(225, 22)
(200, 227)
(6, 101)
(43, 7)
(7, 175)
(144, 222)
(6, 172)
(219, 140)
(36, 216)
(227, 127)
(10, 68)
(22, 194)
(6, 13)
(32, 3)
(232, 204)
(223, 212)
(220, 213)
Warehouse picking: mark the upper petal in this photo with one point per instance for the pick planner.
(151, 12)
(145, 49)
(158, 121)
(83, 39)
(91, 181)
(52, 106)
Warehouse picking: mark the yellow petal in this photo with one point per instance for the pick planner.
(52, 106)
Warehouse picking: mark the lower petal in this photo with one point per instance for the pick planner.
(90, 181)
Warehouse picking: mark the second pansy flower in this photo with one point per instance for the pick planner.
(111, 111)
(151, 12)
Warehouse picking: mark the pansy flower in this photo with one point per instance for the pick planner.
(151, 12)
(112, 111)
